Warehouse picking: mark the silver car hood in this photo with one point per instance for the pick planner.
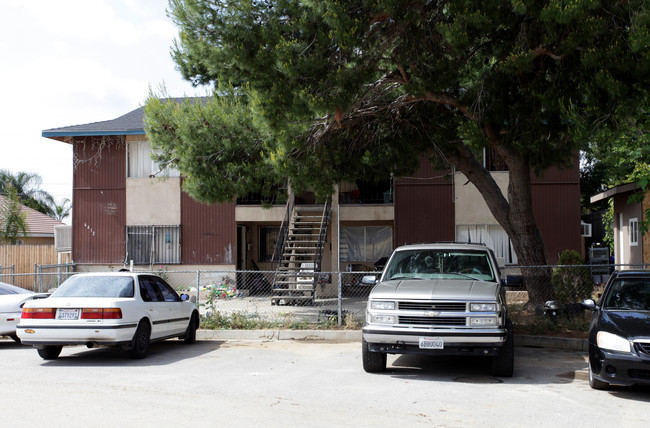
(436, 289)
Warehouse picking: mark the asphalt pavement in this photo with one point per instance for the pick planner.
(303, 378)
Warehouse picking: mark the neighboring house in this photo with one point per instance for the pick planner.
(40, 227)
(630, 246)
(126, 209)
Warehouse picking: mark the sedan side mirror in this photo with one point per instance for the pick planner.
(589, 304)
(185, 297)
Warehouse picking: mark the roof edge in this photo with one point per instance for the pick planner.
(617, 190)
(55, 134)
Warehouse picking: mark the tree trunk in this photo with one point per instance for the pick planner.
(515, 215)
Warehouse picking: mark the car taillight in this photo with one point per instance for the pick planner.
(101, 313)
(38, 313)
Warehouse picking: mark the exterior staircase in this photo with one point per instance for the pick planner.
(299, 252)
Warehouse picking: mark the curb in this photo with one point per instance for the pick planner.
(355, 336)
(552, 342)
(306, 335)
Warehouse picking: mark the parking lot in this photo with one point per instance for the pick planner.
(302, 383)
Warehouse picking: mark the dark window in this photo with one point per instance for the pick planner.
(268, 238)
(149, 290)
(168, 293)
(147, 245)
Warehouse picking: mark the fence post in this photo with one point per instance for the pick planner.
(198, 288)
(339, 300)
(35, 276)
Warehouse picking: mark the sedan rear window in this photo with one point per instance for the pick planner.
(96, 286)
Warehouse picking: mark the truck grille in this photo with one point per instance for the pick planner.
(433, 306)
(432, 321)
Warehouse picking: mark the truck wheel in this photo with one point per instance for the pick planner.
(595, 383)
(50, 352)
(503, 365)
(373, 362)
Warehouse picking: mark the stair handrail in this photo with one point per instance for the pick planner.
(322, 236)
(283, 236)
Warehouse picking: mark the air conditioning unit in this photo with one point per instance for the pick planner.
(63, 238)
(585, 230)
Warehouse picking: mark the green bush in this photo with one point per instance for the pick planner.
(572, 284)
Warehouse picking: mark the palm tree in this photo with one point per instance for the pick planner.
(63, 210)
(27, 186)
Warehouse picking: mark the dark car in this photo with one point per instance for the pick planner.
(619, 333)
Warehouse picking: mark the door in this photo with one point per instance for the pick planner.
(155, 303)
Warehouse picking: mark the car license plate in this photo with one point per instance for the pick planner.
(432, 343)
(67, 314)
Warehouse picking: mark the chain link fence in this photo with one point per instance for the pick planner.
(245, 299)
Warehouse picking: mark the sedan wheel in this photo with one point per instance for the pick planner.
(595, 383)
(50, 352)
(141, 340)
(190, 333)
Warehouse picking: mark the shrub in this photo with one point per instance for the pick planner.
(572, 284)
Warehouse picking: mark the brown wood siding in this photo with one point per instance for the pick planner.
(424, 209)
(557, 175)
(99, 203)
(97, 168)
(556, 204)
(208, 232)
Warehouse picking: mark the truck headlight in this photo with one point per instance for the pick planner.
(378, 304)
(382, 319)
(612, 342)
(483, 322)
(483, 307)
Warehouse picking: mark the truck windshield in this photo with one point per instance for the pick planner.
(440, 264)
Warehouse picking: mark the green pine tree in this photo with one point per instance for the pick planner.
(13, 221)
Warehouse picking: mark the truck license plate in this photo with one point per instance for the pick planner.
(67, 314)
(432, 343)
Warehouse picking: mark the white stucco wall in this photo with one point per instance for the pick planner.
(153, 201)
(470, 205)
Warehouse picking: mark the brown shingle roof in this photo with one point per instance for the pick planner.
(39, 224)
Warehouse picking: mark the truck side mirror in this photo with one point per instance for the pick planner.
(514, 281)
(369, 280)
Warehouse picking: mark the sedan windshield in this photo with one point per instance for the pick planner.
(439, 264)
(96, 286)
(629, 294)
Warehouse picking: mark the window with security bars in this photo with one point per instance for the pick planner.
(153, 244)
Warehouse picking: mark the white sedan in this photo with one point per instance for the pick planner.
(12, 299)
(108, 309)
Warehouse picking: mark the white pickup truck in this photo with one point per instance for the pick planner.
(439, 299)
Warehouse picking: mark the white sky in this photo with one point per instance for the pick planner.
(70, 62)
